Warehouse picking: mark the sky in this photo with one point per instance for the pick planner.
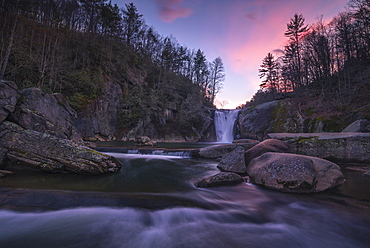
(240, 32)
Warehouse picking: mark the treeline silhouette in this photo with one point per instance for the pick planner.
(75, 46)
(325, 60)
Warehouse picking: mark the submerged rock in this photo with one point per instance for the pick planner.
(233, 161)
(220, 179)
(32, 150)
(294, 173)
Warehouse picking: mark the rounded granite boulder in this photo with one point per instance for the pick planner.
(294, 173)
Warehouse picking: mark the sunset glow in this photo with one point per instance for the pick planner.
(241, 32)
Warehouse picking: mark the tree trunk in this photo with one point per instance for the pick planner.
(9, 49)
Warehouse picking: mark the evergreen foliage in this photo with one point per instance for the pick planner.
(326, 61)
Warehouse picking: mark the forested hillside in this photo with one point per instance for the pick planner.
(78, 47)
(326, 64)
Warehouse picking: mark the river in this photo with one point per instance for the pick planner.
(152, 202)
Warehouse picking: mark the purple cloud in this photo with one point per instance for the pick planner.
(251, 16)
(170, 10)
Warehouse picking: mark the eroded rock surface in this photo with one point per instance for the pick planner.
(294, 173)
(31, 150)
(47, 113)
(220, 150)
(233, 161)
(341, 147)
(220, 179)
(269, 145)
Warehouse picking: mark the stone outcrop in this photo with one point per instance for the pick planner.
(220, 179)
(218, 151)
(256, 119)
(269, 145)
(46, 113)
(337, 147)
(233, 161)
(37, 133)
(294, 116)
(145, 141)
(27, 149)
(294, 173)
(8, 98)
(99, 118)
(358, 126)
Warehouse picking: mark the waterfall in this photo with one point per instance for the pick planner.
(224, 124)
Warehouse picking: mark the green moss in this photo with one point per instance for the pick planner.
(310, 111)
(301, 139)
(281, 118)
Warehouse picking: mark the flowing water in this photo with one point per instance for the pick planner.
(224, 124)
(152, 202)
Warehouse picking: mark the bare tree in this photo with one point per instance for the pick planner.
(217, 77)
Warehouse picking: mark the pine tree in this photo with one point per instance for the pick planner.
(295, 29)
(269, 71)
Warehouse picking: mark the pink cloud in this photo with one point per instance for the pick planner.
(248, 44)
(170, 10)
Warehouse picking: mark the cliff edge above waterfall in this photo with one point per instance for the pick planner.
(301, 115)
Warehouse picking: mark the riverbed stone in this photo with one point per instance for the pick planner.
(294, 173)
(233, 161)
(218, 151)
(268, 145)
(220, 179)
(31, 150)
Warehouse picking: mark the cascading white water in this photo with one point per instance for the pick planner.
(224, 124)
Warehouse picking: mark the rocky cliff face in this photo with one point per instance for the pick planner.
(47, 113)
(257, 119)
(8, 98)
(99, 118)
(290, 116)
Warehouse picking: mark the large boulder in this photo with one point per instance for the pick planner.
(269, 145)
(220, 179)
(46, 113)
(233, 161)
(31, 150)
(8, 98)
(294, 173)
(358, 126)
(218, 151)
